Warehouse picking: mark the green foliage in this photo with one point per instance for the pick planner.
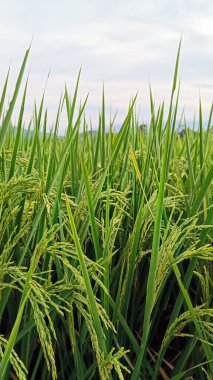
(106, 244)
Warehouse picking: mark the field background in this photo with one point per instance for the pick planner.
(106, 243)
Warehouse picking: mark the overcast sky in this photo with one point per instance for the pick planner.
(126, 44)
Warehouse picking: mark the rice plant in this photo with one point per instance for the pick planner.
(106, 243)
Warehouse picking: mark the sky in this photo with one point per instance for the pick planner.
(124, 44)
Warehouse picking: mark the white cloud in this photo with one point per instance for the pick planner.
(124, 43)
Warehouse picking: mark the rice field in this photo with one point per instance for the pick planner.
(106, 243)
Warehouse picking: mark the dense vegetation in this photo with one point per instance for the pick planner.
(106, 244)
